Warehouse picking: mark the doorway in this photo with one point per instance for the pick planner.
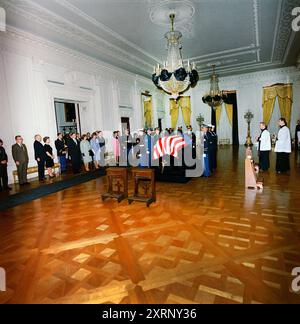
(125, 122)
(160, 124)
(67, 117)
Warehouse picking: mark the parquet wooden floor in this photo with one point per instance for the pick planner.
(208, 241)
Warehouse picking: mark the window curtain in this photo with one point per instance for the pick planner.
(232, 113)
(284, 92)
(185, 104)
(148, 113)
(285, 100)
(229, 110)
(218, 114)
(174, 112)
(215, 116)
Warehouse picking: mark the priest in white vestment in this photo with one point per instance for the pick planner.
(264, 147)
(283, 147)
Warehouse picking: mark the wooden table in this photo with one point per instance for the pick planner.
(120, 175)
(147, 178)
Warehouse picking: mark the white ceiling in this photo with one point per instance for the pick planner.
(237, 35)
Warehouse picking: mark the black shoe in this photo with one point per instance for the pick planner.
(26, 183)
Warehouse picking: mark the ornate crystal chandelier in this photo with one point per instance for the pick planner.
(215, 96)
(173, 78)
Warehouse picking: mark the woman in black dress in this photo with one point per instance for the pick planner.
(50, 157)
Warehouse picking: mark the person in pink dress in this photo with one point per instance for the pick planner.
(116, 146)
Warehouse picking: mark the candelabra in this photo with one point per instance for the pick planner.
(174, 78)
(248, 117)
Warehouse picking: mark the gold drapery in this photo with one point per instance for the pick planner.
(174, 112)
(284, 92)
(185, 104)
(148, 113)
(229, 111)
(218, 114)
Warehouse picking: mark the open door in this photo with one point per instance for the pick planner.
(67, 117)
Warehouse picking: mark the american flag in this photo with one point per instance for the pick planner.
(168, 146)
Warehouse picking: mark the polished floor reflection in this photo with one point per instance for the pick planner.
(208, 241)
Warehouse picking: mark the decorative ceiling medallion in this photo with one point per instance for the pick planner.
(160, 11)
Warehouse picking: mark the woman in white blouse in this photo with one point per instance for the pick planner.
(283, 147)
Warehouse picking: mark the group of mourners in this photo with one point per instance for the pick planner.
(70, 147)
(89, 149)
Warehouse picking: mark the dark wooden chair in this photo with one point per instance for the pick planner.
(143, 178)
(116, 177)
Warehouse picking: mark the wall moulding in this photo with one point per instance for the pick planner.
(29, 45)
(83, 37)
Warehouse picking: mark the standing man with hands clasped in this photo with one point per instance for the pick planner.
(3, 168)
(20, 156)
(264, 147)
(40, 156)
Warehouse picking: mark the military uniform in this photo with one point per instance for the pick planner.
(206, 157)
(214, 149)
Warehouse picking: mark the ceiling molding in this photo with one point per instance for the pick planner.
(277, 73)
(282, 42)
(68, 58)
(245, 49)
(211, 55)
(256, 23)
(133, 58)
(279, 10)
(103, 27)
(219, 57)
(252, 67)
(30, 10)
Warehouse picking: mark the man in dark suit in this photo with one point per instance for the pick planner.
(297, 132)
(211, 150)
(126, 146)
(3, 168)
(20, 156)
(61, 152)
(40, 156)
(74, 153)
(102, 148)
(192, 136)
(214, 147)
